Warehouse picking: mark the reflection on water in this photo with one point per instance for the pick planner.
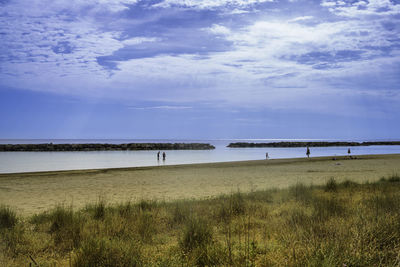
(46, 161)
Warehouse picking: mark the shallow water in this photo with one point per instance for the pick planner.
(49, 161)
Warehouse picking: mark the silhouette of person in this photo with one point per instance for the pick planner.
(158, 155)
(308, 152)
(164, 156)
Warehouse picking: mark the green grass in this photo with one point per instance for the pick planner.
(336, 224)
(8, 218)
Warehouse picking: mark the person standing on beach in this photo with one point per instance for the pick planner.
(158, 155)
(164, 156)
(308, 152)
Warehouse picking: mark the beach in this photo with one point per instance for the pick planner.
(30, 193)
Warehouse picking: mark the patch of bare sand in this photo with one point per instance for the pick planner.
(31, 193)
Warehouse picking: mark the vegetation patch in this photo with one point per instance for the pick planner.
(337, 224)
(8, 217)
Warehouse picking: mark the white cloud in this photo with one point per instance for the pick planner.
(362, 8)
(139, 40)
(208, 4)
(237, 11)
(219, 30)
(162, 107)
(301, 18)
(328, 3)
(112, 5)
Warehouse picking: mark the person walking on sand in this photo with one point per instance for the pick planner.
(308, 152)
(158, 155)
(164, 156)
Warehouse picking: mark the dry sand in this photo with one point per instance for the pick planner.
(31, 193)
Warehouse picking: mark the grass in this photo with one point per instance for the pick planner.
(335, 224)
(105, 252)
(8, 218)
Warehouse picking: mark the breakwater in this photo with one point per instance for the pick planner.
(104, 147)
(312, 144)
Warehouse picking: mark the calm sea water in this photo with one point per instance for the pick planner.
(11, 162)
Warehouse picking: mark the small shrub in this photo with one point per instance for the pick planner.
(146, 226)
(298, 218)
(107, 253)
(40, 218)
(326, 207)
(125, 210)
(61, 217)
(380, 202)
(301, 193)
(197, 244)
(232, 206)
(66, 227)
(180, 213)
(382, 180)
(331, 185)
(225, 213)
(8, 217)
(262, 196)
(100, 209)
(209, 255)
(197, 233)
(238, 205)
(144, 205)
(348, 183)
(394, 178)
(14, 240)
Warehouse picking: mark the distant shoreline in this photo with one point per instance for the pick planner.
(50, 147)
(278, 161)
(312, 144)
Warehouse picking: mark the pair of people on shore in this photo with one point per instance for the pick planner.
(308, 152)
(164, 155)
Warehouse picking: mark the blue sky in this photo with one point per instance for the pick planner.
(200, 69)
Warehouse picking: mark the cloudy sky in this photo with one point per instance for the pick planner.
(200, 69)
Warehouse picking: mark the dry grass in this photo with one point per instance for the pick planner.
(333, 224)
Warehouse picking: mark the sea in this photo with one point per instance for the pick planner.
(16, 162)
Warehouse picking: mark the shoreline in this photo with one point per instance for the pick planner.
(188, 165)
(35, 192)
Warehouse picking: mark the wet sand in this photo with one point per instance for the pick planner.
(31, 193)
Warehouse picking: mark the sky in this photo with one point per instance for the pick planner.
(200, 69)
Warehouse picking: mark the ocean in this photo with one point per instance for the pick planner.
(12, 162)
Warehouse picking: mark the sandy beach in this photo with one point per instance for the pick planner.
(31, 193)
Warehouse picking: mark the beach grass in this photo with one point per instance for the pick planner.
(333, 224)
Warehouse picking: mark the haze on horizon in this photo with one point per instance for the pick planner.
(200, 69)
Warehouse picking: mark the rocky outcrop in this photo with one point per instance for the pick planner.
(312, 144)
(104, 147)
